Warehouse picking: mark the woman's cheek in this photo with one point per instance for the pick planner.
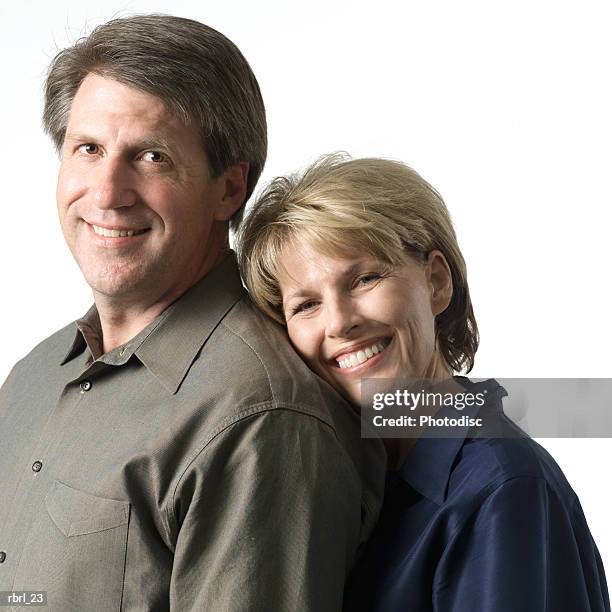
(299, 338)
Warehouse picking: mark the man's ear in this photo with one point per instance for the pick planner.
(233, 183)
(440, 280)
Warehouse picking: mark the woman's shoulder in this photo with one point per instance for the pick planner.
(485, 464)
(500, 453)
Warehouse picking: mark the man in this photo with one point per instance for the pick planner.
(170, 452)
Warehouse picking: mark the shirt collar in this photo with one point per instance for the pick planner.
(86, 334)
(168, 346)
(429, 465)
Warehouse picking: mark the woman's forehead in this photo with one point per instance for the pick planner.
(336, 249)
(302, 268)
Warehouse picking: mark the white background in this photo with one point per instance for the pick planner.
(504, 107)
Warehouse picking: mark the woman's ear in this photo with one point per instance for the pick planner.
(234, 184)
(440, 280)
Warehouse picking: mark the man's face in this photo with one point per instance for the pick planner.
(136, 205)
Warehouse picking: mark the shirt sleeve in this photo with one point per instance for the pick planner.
(522, 551)
(268, 518)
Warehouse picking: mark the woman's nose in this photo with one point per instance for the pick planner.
(342, 318)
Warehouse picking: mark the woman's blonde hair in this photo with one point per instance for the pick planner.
(342, 207)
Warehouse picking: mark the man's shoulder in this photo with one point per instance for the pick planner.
(266, 338)
(259, 352)
(266, 371)
(51, 351)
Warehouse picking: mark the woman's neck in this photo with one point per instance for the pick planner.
(398, 449)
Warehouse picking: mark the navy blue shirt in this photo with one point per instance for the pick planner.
(479, 524)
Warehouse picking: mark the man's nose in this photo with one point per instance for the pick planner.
(342, 318)
(113, 184)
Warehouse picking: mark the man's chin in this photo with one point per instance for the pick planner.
(115, 286)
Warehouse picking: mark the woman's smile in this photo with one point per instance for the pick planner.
(369, 351)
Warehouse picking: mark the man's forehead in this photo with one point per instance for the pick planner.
(102, 105)
(105, 90)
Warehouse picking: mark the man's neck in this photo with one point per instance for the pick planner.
(122, 319)
(119, 325)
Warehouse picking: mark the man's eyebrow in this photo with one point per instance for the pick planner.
(77, 137)
(154, 142)
(149, 142)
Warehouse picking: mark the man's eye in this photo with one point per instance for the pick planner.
(89, 148)
(154, 156)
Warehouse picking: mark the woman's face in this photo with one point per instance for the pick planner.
(361, 318)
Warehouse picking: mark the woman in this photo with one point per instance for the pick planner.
(360, 262)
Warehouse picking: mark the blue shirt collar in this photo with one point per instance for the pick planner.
(428, 467)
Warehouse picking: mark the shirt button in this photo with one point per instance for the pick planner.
(2, 556)
(85, 385)
(37, 466)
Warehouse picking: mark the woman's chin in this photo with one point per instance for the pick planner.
(350, 390)
(350, 387)
(351, 394)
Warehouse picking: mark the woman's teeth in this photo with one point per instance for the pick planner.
(361, 356)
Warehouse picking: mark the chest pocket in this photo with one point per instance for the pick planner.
(76, 551)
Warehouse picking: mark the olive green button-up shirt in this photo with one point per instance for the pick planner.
(200, 466)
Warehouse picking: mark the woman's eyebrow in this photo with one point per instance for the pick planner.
(298, 290)
(302, 291)
(297, 293)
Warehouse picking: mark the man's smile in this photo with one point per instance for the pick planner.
(117, 232)
(115, 237)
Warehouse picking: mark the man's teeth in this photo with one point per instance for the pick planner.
(109, 233)
(353, 359)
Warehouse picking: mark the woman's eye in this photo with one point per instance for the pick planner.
(368, 278)
(89, 148)
(303, 307)
(154, 156)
